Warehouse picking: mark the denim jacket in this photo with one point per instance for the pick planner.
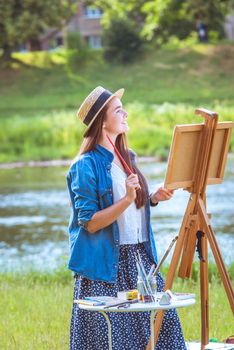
(95, 255)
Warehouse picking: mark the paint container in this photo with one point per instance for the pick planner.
(142, 294)
(132, 294)
(140, 288)
(147, 298)
(153, 284)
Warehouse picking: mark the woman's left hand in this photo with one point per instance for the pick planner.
(162, 194)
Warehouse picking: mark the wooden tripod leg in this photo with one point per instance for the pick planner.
(204, 289)
(191, 251)
(216, 252)
(188, 252)
(173, 267)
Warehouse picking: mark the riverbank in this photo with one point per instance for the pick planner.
(58, 162)
(59, 135)
(67, 162)
(35, 309)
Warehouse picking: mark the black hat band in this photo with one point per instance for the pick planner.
(97, 106)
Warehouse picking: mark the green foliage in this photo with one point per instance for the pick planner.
(131, 10)
(211, 12)
(74, 41)
(76, 59)
(144, 14)
(214, 36)
(214, 276)
(164, 18)
(78, 53)
(180, 18)
(41, 59)
(174, 21)
(153, 10)
(121, 41)
(42, 138)
(61, 276)
(58, 135)
(24, 20)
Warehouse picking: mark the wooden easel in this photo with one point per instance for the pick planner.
(196, 220)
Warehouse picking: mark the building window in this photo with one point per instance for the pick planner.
(59, 41)
(94, 41)
(92, 12)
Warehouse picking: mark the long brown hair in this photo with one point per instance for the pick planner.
(92, 138)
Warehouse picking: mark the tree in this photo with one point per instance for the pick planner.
(164, 18)
(121, 41)
(145, 14)
(175, 21)
(21, 20)
(211, 12)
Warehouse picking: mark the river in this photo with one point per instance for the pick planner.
(34, 214)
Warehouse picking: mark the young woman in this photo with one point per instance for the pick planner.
(110, 221)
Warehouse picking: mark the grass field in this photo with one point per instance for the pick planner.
(163, 87)
(35, 309)
(195, 75)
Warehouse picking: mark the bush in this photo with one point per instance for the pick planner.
(74, 41)
(78, 52)
(122, 42)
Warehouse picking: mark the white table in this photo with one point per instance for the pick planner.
(152, 307)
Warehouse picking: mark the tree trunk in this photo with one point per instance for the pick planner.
(6, 56)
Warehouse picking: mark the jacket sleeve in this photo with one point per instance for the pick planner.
(83, 190)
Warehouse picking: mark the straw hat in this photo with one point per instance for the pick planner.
(94, 103)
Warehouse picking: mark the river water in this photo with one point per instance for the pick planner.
(34, 214)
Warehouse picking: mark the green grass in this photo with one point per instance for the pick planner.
(163, 88)
(35, 309)
(195, 75)
(58, 134)
(35, 316)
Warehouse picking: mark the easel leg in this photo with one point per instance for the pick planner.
(204, 294)
(217, 255)
(188, 252)
(152, 317)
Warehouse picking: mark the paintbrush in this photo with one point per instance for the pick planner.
(139, 271)
(126, 167)
(145, 276)
(165, 255)
(151, 271)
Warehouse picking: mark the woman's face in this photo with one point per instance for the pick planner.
(116, 117)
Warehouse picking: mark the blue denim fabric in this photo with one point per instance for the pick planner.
(95, 255)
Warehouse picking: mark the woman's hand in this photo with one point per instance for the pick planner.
(132, 184)
(162, 194)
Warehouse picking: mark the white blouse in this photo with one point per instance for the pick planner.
(132, 222)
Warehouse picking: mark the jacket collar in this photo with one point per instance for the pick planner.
(103, 152)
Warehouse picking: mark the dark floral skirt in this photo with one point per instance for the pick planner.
(130, 331)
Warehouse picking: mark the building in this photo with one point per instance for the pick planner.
(229, 27)
(86, 21)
